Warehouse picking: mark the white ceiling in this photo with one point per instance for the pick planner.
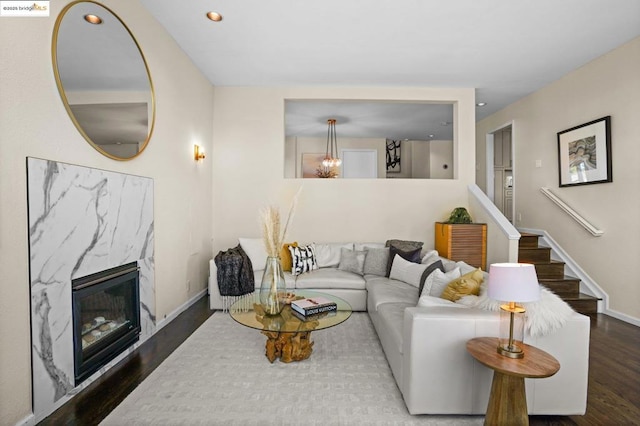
(505, 49)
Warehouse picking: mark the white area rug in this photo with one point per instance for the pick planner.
(220, 376)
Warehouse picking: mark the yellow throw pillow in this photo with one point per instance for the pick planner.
(466, 284)
(285, 256)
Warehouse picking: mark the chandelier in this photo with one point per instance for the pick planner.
(332, 146)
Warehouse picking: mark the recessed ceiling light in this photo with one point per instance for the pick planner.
(93, 19)
(481, 104)
(214, 16)
(431, 136)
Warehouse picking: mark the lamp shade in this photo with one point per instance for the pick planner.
(513, 282)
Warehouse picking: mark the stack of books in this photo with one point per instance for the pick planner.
(313, 305)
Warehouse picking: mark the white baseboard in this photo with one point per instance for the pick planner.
(30, 420)
(180, 309)
(622, 317)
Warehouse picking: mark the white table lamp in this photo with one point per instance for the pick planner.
(512, 283)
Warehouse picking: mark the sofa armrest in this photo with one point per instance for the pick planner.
(437, 370)
(441, 377)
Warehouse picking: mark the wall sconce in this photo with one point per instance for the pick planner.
(198, 153)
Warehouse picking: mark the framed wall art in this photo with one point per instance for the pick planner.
(393, 156)
(584, 153)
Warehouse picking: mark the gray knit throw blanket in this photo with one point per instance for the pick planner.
(235, 277)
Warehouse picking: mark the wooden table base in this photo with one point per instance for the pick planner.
(508, 402)
(288, 346)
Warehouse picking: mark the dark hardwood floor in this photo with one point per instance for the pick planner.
(613, 397)
(614, 374)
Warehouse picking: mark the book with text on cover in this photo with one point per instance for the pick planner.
(313, 305)
(313, 317)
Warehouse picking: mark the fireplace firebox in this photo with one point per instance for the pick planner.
(106, 317)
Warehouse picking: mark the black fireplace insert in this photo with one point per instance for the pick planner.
(106, 317)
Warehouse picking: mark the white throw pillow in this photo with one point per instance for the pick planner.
(255, 249)
(303, 259)
(405, 271)
(430, 301)
(437, 281)
(328, 254)
(465, 268)
(430, 257)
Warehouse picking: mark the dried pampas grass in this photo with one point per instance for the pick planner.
(270, 220)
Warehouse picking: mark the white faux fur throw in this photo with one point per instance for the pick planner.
(543, 317)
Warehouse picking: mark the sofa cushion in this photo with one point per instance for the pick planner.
(255, 249)
(384, 290)
(328, 254)
(330, 278)
(449, 265)
(376, 261)
(427, 301)
(364, 246)
(289, 280)
(467, 284)
(392, 316)
(352, 261)
(303, 259)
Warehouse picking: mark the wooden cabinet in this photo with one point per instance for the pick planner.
(502, 148)
(466, 242)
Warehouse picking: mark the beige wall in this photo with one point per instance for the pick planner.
(33, 122)
(609, 85)
(248, 158)
(441, 154)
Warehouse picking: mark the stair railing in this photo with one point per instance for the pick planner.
(571, 212)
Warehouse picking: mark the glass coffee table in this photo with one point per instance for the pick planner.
(288, 335)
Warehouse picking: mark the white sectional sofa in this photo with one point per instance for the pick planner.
(426, 345)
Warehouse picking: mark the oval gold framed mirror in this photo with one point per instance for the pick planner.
(103, 79)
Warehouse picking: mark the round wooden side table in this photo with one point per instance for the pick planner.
(508, 402)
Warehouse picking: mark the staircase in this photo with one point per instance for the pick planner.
(551, 275)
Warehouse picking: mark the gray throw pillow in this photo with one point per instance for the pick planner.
(375, 263)
(352, 261)
(404, 245)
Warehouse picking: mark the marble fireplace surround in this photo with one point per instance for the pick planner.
(81, 221)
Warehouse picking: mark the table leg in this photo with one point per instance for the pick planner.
(508, 402)
(288, 346)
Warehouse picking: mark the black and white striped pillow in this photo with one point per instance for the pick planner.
(303, 259)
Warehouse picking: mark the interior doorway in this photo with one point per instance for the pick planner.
(500, 170)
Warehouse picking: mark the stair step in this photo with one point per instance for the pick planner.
(528, 240)
(562, 286)
(551, 270)
(583, 303)
(534, 255)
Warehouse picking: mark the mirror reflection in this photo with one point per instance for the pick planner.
(375, 139)
(103, 79)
